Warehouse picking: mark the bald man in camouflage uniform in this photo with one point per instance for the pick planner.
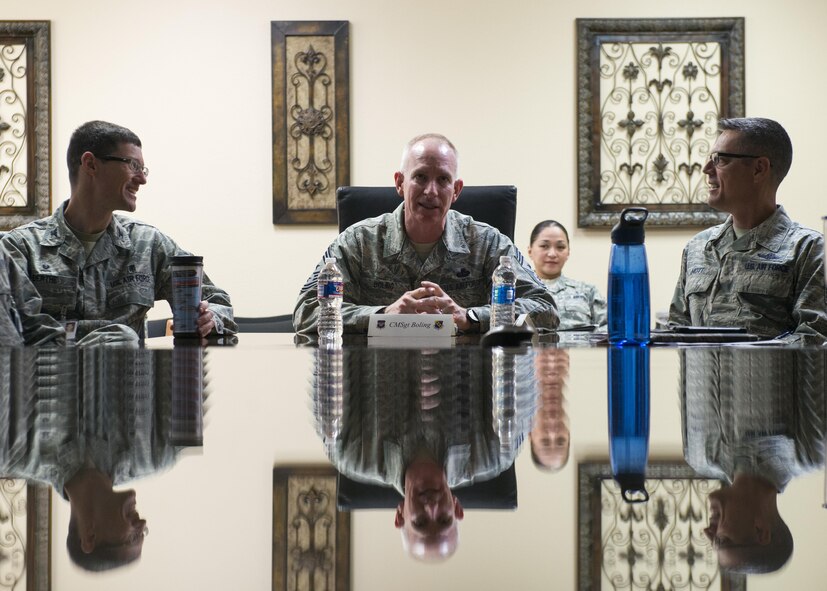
(758, 270)
(424, 258)
(97, 268)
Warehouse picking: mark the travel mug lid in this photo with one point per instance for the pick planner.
(629, 230)
(187, 260)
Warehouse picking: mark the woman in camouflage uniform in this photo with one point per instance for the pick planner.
(579, 304)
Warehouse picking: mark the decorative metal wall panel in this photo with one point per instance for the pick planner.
(658, 545)
(650, 94)
(24, 122)
(24, 536)
(311, 538)
(310, 119)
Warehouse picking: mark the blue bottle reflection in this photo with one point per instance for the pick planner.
(629, 418)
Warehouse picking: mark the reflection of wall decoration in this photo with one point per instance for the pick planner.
(311, 538)
(24, 122)
(24, 536)
(311, 140)
(647, 546)
(650, 93)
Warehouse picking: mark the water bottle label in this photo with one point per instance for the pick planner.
(331, 289)
(502, 294)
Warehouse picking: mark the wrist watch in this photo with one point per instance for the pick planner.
(472, 316)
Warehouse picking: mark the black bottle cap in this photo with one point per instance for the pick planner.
(186, 260)
(629, 230)
(632, 487)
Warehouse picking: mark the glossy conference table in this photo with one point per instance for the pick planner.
(210, 510)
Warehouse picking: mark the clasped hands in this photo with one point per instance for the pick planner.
(429, 298)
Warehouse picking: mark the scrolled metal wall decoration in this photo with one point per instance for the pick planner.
(650, 95)
(24, 122)
(654, 546)
(310, 119)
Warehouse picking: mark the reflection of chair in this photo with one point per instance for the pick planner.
(281, 323)
(498, 493)
(495, 205)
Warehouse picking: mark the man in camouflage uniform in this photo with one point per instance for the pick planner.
(424, 257)
(98, 268)
(758, 270)
(21, 321)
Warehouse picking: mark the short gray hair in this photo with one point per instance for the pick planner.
(428, 136)
(763, 137)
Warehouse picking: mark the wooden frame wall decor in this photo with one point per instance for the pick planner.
(25, 157)
(659, 544)
(25, 523)
(650, 93)
(311, 537)
(311, 133)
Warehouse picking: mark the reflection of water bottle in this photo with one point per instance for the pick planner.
(503, 292)
(504, 385)
(187, 427)
(629, 418)
(629, 280)
(328, 394)
(330, 291)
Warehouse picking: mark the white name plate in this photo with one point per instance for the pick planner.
(436, 326)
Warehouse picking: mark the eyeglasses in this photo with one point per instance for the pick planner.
(715, 157)
(134, 165)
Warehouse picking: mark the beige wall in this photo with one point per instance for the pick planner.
(192, 78)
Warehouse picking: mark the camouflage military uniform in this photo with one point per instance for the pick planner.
(120, 280)
(578, 303)
(769, 281)
(379, 264)
(21, 320)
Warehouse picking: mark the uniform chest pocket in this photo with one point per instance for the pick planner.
(764, 284)
(698, 283)
(136, 289)
(58, 292)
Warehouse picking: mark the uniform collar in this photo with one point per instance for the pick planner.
(770, 234)
(59, 234)
(452, 237)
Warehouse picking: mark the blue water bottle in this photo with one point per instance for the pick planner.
(629, 419)
(629, 280)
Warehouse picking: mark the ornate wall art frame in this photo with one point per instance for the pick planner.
(25, 523)
(311, 120)
(311, 537)
(25, 125)
(655, 545)
(649, 95)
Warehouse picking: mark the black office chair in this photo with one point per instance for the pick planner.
(281, 323)
(157, 328)
(495, 205)
(499, 492)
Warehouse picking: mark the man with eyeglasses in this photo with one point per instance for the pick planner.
(758, 270)
(101, 269)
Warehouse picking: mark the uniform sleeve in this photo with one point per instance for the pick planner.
(679, 308)
(809, 307)
(355, 317)
(37, 328)
(599, 316)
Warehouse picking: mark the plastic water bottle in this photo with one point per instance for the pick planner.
(503, 292)
(330, 291)
(629, 419)
(629, 280)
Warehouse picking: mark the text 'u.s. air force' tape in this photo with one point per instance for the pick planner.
(437, 326)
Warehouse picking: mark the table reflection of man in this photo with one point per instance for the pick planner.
(755, 419)
(550, 436)
(85, 421)
(425, 423)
